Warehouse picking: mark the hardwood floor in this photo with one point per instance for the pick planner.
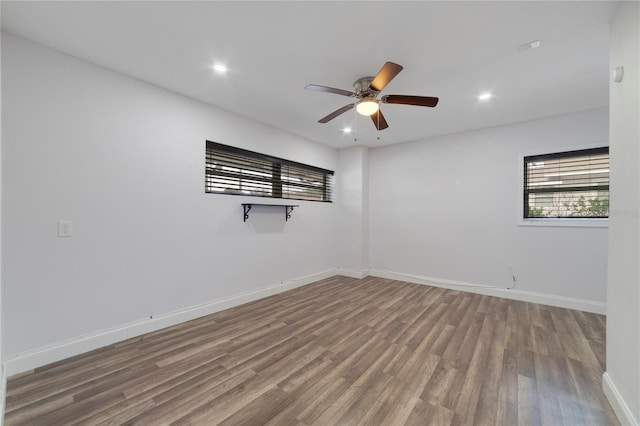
(338, 352)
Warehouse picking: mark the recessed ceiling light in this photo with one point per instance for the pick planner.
(485, 96)
(220, 68)
(346, 130)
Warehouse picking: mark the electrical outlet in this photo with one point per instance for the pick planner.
(65, 228)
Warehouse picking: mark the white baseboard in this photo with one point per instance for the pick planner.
(42, 356)
(515, 294)
(620, 407)
(353, 273)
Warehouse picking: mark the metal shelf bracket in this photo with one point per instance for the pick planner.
(287, 212)
(247, 208)
(288, 208)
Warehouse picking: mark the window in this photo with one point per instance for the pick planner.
(572, 184)
(230, 170)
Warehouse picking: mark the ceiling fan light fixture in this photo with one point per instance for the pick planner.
(367, 107)
(366, 90)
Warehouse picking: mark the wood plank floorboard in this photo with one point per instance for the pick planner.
(340, 351)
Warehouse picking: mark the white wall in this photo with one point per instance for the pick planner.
(3, 382)
(124, 160)
(353, 195)
(446, 208)
(622, 379)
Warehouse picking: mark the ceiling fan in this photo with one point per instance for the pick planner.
(366, 90)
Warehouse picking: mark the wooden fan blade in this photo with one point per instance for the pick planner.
(388, 71)
(336, 113)
(326, 89)
(378, 120)
(425, 101)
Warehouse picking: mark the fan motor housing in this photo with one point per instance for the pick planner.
(363, 88)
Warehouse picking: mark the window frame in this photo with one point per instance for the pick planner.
(586, 222)
(276, 181)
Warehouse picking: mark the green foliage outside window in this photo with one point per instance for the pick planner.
(581, 207)
(594, 207)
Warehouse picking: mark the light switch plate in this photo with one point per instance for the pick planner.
(65, 228)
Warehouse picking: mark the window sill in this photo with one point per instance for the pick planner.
(566, 223)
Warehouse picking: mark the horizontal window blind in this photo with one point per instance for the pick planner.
(567, 184)
(231, 170)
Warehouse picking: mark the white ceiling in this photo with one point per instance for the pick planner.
(452, 50)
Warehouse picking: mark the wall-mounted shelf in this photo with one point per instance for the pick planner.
(288, 208)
